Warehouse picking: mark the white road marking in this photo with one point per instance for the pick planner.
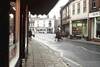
(72, 61)
(69, 60)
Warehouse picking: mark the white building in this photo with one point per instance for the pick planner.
(74, 17)
(42, 24)
(78, 17)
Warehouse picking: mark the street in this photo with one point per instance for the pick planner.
(76, 53)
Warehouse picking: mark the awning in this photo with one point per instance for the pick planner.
(41, 6)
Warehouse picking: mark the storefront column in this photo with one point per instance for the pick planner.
(17, 19)
(26, 34)
(95, 27)
(89, 29)
(22, 30)
(17, 29)
(70, 27)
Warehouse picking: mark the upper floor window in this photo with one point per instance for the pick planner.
(93, 3)
(49, 23)
(84, 5)
(78, 8)
(73, 10)
(66, 11)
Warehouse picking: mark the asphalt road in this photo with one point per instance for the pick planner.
(75, 53)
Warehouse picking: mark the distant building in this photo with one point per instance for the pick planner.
(42, 24)
(57, 23)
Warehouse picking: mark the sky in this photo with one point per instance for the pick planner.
(56, 10)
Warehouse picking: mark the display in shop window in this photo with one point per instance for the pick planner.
(12, 45)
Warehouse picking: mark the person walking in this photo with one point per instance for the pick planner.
(29, 34)
(58, 35)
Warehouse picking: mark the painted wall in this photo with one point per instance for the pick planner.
(81, 15)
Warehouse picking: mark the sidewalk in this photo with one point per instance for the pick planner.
(43, 56)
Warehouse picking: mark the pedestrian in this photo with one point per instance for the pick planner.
(58, 35)
(29, 34)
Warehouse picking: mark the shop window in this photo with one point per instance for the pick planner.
(93, 3)
(98, 30)
(49, 23)
(77, 28)
(79, 24)
(12, 45)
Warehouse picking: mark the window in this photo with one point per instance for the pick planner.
(49, 23)
(73, 10)
(93, 3)
(12, 45)
(84, 5)
(98, 30)
(98, 27)
(78, 8)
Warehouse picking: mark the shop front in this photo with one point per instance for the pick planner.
(98, 27)
(95, 25)
(65, 27)
(66, 30)
(79, 28)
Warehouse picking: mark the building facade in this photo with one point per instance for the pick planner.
(79, 15)
(42, 24)
(65, 19)
(76, 17)
(82, 19)
(94, 16)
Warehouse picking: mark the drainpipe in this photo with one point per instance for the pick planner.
(61, 19)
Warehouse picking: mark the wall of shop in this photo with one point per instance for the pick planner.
(95, 32)
(65, 29)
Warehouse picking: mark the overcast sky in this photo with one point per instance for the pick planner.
(56, 10)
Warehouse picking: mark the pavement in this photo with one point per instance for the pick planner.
(42, 56)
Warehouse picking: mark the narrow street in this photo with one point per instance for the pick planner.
(76, 53)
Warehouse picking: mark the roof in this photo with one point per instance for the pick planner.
(66, 5)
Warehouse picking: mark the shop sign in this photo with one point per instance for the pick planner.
(94, 14)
